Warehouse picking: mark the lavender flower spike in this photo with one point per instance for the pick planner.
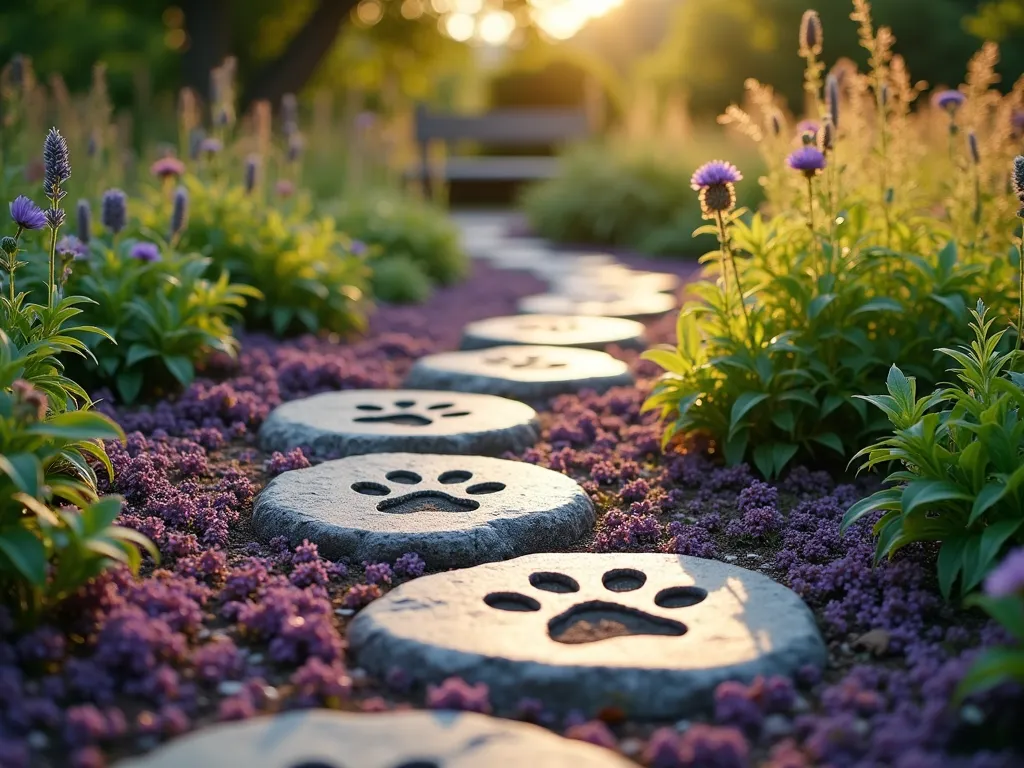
(56, 164)
(179, 211)
(84, 221)
(1018, 182)
(810, 34)
(114, 210)
(26, 214)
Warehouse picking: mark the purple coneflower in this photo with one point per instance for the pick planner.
(26, 214)
(715, 182)
(949, 100)
(809, 160)
(148, 252)
(114, 210)
(284, 188)
(167, 167)
(810, 34)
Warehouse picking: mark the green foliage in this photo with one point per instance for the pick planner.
(400, 227)
(47, 548)
(961, 474)
(400, 280)
(994, 666)
(615, 194)
(166, 316)
(306, 270)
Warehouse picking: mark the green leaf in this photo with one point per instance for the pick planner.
(992, 667)
(901, 388)
(819, 303)
(830, 440)
(764, 460)
(26, 552)
(735, 448)
(950, 563)
(987, 497)
(743, 405)
(880, 304)
(24, 470)
(78, 425)
(922, 493)
(782, 454)
(180, 368)
(129, 384)
(888, 499)
(784, 420)
(1008, 611)
(668, 360)
(989, 545)
(139, 352)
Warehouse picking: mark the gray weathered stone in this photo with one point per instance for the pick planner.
(530, 373)
(554, 330)
(612, 304)
(614, 278)
(375, 421)
(328, 739)
(652, 634)
(455, 511)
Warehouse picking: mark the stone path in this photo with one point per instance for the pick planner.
(361, 421)
(530, 373)
(455, 511)
(323, 739)
(650, 634)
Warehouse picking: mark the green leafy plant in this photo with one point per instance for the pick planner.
(166, 315)
(55, 532)
(306, 270)
(994, 666)
(404, 228)
(960, 479)
(400, 280)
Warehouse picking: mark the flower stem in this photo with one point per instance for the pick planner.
(723, 240)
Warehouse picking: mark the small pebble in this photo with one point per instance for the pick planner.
(730, 558)
(345, 611)
(229, 687)
(972, 714)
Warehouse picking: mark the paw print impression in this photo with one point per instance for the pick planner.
(549, 324)
(602, 616)
(451, 491)
(407, 413)
(529, 360)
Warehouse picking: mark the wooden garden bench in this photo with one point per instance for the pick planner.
(533, 128)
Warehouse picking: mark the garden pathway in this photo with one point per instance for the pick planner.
(409, 470)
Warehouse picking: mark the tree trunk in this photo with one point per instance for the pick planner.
(290, 71)
(208, 25)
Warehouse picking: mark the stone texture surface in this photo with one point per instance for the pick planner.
(652, 634)
(327, 739)
(374, 421)
(615, 278)
(530, 373)
(455, 511)
(611, 304)
(554, 330)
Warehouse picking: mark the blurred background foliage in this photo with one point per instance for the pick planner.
(389, 49)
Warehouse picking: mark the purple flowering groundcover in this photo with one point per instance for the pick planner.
(228, 627)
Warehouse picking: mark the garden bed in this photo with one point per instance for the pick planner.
(229, 627)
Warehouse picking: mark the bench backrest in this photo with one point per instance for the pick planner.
(513, 127)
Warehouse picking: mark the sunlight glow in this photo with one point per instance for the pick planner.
(489, 23)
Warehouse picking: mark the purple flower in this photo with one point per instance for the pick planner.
(26, 214)
(69, 245)
(713, 174)
(410, 565)
(1008, 577)
(167, 167)
(148, 252)
(807, 126)
(808, 160)
(810, 34)
(1018, 181)
(114, 210)
(949, 100)
(211, 146)
(56, 164)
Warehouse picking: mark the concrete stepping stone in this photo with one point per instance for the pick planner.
(455, 511)
(615, 278)
(554, 330)
(529, 373)
(329, 739)
(375, 421)
(610, 304)
(651, 634)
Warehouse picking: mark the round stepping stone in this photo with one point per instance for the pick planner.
(610, 304)
(651, 634)
(615, 278)
(327, 739)
(455, 511)
(375, 421)
(554, 330)
(530, 373)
